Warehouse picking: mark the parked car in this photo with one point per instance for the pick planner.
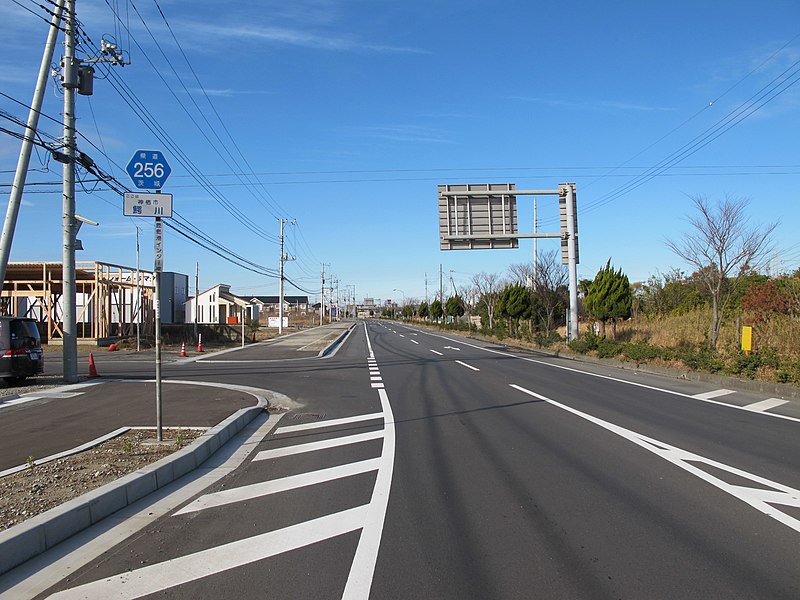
(21, 353)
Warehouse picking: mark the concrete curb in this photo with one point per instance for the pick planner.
(33, 537)
(331, 348)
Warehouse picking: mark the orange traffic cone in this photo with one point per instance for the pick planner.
(92, 368)
(112, 347)
(200, 342)
(183, 350)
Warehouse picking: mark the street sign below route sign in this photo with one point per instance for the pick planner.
(148, 169)
(145, 204)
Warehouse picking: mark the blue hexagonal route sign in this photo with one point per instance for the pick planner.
(148, 169)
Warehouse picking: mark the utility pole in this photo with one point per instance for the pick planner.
(284, 258)
(138, 297)
(535, 245)
(196, 295)
(322, 300)
(18, 186)
(452, 284)
(69, 70)
(441, 284)
(426, 288)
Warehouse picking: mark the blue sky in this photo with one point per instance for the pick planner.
(346, 116)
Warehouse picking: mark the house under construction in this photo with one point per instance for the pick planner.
(110, 299)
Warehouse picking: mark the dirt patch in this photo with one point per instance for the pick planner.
(39, 488)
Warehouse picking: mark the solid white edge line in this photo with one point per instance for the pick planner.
(362, 570)
(178, 571)
(463, 364)
(328, 423)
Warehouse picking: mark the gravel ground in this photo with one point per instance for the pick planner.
(38, 488)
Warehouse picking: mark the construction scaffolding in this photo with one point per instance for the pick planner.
(108, 304)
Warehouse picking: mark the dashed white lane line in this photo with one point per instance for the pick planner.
(762, 500)
(415, 342)
(265, 488)
(765, 404)
(713, 394)
(436, 352)
(321, 445)
(401, 335)
(170, 573)
(463, 364)
(328, 423)
(377, 386)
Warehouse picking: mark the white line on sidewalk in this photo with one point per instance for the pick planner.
(463, 364)
(292, 482)
(713, 394)
(765, 404)
(321, 445)
(328, 423)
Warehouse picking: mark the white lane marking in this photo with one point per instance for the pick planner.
(435, 352)
(377, 378)
(320, 445)
(463, 364)
(712, 394)
(377, 386)
(274, 486)
(415, 342)
(760, 499)
(452, 348)
(765, 404)
(328, 423)
(362, 570)
(401, 335)
(616, 379)
(171, 573)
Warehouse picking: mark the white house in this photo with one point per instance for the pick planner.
(217, 305)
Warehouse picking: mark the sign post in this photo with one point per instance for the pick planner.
(149, 170)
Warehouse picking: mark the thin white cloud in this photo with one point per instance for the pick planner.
(402, 133)
(229, 93)
(294, 37)
(593, 104)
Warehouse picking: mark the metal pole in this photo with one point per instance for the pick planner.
(68, 298)
(18, 186)
(535, 244)
(158, 232)
(572, 254)
(280, 284)
(196, 295)
(138, 297)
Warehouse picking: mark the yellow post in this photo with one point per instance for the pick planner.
(747, 339)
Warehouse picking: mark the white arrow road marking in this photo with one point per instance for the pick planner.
(452, 348)
(765, 404)
(274, 486)
(170, 573)
(463, 364)
(760, 499)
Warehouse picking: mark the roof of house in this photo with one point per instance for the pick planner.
(276, 299)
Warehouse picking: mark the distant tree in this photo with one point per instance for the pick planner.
(436, 309)
(550, 281)
(488, 286)
(515, 304)
(454, 307)
(767, 299)
(424, 310)
(723, 247)
(609, 297)
(408, 311)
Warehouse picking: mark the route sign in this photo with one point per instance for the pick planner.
(148, 169)
(142, 204)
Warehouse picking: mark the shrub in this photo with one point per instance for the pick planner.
(607, 348)
(642, 351)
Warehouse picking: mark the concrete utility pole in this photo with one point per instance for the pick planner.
(196, 295)
(535, 244)
(21, 175)
(572, 255)
(284, 258)
(69, 70)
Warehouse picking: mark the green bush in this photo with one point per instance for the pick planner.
(585, 343)
(642, 351)
(545, 341)
(607, 348)
(701, 360)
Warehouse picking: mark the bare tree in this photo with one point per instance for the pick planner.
(488, 286)
(550, 281)
(723, 247)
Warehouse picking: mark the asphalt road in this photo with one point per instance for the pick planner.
(421, 465)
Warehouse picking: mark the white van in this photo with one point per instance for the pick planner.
(20, 349)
